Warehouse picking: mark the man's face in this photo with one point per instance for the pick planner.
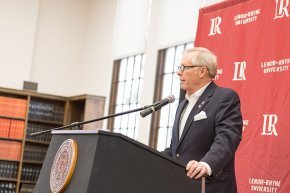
(189, 78)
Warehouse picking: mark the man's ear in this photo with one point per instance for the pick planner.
(203, 72)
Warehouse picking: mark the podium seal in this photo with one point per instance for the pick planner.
(63, 166)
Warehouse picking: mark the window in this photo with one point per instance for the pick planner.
(168, 83)
(125, 94)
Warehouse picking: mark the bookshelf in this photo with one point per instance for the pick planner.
(24, 112)
(83, 108)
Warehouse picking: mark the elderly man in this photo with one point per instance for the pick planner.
(208, 123)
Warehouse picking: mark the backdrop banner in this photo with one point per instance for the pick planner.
(251, 39)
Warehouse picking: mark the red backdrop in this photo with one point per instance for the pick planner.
(252, 41)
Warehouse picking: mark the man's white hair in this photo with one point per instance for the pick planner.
(204, 58)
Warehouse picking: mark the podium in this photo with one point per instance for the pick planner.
(113, 163)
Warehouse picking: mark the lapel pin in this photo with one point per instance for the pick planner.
(199, 106)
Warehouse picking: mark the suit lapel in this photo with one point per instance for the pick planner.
(199, 105)
(177, 119)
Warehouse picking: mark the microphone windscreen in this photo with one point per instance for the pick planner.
(171, 98)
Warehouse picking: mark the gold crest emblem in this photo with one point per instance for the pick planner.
(63, 166)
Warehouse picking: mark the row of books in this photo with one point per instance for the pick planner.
(27, 188)
(36, 127)
(13, 107)
(34, 153)
(10, 150)
(8, 169)
(7, 187)
(46, 111)
(30, 172)
(10, 128)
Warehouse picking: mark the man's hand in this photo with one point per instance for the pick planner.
(195, 169)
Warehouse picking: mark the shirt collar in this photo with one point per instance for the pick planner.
(197, 94)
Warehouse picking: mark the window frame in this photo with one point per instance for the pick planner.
(115, 89)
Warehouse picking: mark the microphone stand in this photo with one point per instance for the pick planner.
(78, 124)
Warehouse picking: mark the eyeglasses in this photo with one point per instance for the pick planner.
(183, 68)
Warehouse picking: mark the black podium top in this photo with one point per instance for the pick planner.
(121, 136)
(113, 163)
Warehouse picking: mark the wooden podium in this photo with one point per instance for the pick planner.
(113, 163)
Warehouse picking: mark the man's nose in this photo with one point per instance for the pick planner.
(179, 72)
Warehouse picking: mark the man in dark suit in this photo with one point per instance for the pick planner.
(208, 123)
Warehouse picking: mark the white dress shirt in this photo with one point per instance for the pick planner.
(192, 99)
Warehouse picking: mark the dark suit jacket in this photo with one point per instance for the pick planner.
(214, 139)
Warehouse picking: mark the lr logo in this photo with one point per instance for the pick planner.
(281, 9)
(269, 125)
(215, 26)
(239, 73)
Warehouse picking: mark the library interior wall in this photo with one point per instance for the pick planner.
(54, 42)
(130, 28)
(68, 47)
(17, 24)
(73, 47)
(58, 44)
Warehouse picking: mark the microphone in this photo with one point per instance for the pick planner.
(158, 105)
